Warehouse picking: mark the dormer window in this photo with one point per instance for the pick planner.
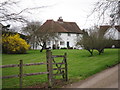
(69, 34)
(59, 34)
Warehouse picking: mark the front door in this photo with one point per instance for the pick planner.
(68, 44)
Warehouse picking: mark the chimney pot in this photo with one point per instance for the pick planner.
(60, 19)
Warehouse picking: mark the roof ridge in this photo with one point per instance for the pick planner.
(56, 26)
(61, 27)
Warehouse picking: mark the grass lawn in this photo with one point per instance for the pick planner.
(80, 65)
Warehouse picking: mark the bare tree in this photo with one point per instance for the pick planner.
(30, 30)
(43, 37)
(94, 40)
(8, 12)
(109, 8)
(8, 15)
(86, 42)
(38, 37)
(31, 27)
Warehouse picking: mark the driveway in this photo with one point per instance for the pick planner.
(105, 79)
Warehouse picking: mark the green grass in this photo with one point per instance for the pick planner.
(80, 65)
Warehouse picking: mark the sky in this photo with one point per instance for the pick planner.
(70, 10)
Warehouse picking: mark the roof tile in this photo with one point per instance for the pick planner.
(57, 26)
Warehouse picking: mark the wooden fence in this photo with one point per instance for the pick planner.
(49, 62)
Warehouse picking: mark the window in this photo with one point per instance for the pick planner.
(69, 34)
(62, 42)
(77, 35)
(48, 43)
(59, 34)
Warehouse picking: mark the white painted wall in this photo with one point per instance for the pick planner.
(113, 33)
(71, 38)
(64, 37)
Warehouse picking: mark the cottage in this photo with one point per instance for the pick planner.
(67, 31)
(111, 32)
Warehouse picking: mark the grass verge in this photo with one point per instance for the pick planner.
(80, 65)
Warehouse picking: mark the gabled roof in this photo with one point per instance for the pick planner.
(104, 28)
(118, 27)
(60, 27)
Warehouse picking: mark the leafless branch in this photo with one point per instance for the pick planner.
(6, 12)
(110, 8)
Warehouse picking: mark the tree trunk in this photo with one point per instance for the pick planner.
(101, 51)
(91, 52)
(43, 47)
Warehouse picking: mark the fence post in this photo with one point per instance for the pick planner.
(66, 71)
(21, 73)
(49, 67)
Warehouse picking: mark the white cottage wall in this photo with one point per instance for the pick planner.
(68, 38)
(113, 33)
(64, 38)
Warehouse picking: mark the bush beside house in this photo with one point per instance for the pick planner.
(13, 44)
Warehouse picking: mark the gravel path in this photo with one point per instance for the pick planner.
(105, 79)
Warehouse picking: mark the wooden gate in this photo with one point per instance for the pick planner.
(60, 70)
(50, 62)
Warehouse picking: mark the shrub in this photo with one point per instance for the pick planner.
(14, 44)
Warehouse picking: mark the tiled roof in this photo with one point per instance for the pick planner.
(60, 26)
(118, 27)
(104, 28)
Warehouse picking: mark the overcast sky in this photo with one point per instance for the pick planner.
(70, 10)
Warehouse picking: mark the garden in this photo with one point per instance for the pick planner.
(80, 65)
(23, 32)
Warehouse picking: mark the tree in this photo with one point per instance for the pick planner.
(86, 42)
(108, 11)
(37, 37)
(30, 30)
(8, 12)
(5, 28)
(8, 15)
(109, 8)
(94, 40)
(42, 37)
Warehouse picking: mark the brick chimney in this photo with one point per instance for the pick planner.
(60, 19)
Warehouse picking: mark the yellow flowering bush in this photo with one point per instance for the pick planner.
(14, 44)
